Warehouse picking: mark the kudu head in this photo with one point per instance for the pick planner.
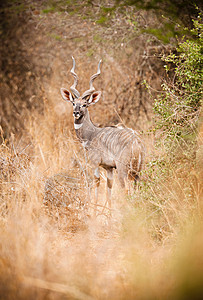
(89, 97)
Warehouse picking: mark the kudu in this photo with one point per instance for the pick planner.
(110, 147)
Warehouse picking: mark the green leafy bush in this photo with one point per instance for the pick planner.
(177, 109)
(170, 177)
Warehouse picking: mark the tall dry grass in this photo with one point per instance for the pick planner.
(51, 248)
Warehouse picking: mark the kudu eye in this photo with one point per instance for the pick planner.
(84, 105)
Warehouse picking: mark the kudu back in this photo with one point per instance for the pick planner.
(109, 147)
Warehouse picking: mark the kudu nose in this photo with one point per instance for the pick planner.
(76, 114)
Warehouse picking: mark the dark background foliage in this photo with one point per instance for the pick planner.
(39, 37)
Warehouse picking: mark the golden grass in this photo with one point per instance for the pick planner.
(152, 250)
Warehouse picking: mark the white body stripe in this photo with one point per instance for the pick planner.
(84, 144)
(139, 162)
(96, 173)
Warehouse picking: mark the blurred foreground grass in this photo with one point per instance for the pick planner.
(153, 249)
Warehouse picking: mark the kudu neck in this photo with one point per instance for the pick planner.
(85, 129)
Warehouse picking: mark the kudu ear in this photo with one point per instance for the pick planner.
(66, 95)
(94, 98)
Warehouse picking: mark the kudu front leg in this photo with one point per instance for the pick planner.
(96, 188)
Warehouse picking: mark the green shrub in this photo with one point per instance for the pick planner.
(177, 109)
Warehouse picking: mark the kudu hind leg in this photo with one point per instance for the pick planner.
(122, 176)
(109, 185)
(126, 178)
(108, 190)
(136, 180)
